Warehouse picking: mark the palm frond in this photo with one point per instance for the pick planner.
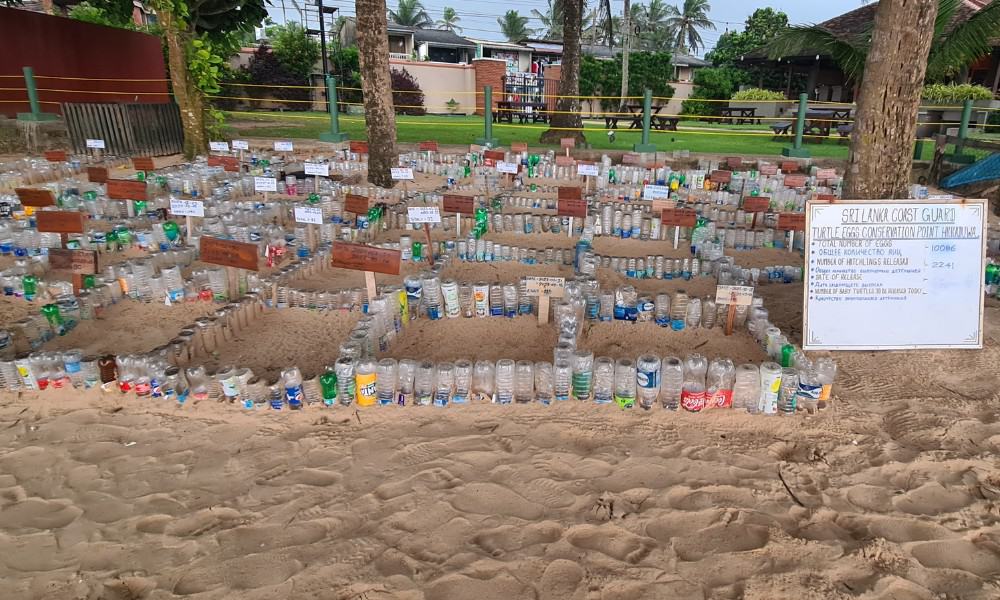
(799, 39)
(946, 10)
(968, 42)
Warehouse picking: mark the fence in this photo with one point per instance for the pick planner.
(127, 129)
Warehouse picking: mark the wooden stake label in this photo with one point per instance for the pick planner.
(429, 146)
(126, 189)
(97, 174)
(570, 192)
(721, 176)
(734, 162)
(59, 221)
(554, 287)
(679, 217)
(35, 197)
(795, 181)
(228, 163)
(565, 161)
(55, 155)
(740, 295)
(789, 221)
(359, 257)
(228, 253)
(572, 207)
(356, 204)
(756, 203)
(789, 166)
(458, 204)
(80, 262)
(768, 169)
(494, 154)
(359, 147)
(519, 146)
(567, 142)
(143, 163)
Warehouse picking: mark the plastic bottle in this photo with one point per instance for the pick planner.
(562, 379)
(452, 305)
(746, 389)
(826, 372)
(544, 383)
(292, 380)
(787, 391)
(661, 310)
(496, 300)
(328, 387)
(431, 289)
(524, 382)
(444, 384)
(709, 312)
(693, 396)
(672, 382)
(463, 381)
(693, 318)
(405, 375)
(510, 300)
(770, 384)
(719, 383)
(484, 381)
(345, 368)
(604, 380)
(423, 384)
(365, 385)
(583, 372)
(678, 310)
(385, 382)
(505, 381)
(625, 383)
(648, 375)
(414, 291)
(810, 388)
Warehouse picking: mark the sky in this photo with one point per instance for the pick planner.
(479, 17)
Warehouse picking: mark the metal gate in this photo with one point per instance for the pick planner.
(127, 129)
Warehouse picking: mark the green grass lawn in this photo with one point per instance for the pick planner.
(695, 136)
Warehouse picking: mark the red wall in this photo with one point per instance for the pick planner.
(61, 47)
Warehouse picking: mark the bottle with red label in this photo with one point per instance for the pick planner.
(719, 383)
(693, 395)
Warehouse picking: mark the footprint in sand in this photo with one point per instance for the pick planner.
(612, 541)
(205, 521)
(509, 538)
(720, 539)
(38, 513)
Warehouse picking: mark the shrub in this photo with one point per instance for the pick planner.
(712, 84)
(757, 94)
(295, 49)
(407, 96)
(947, 93)
(266, 69)
(345, 65)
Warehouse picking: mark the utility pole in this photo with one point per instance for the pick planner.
(626, 44)
(323, 11)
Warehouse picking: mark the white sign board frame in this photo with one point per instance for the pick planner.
(655, 192)
(553, 287)
(241, 145)
(283, 146)
(894, 274)
(401, 173)
(726, 294)
(95, 144)
(587, 170)
(218, 146)
(318, 169)
(312, 215)
(265, 184)
(423, 214)
(507, 167)
(187, 208)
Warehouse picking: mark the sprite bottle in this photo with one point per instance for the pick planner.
(328, 386)
(30, 285)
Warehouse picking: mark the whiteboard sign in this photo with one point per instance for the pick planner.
(553, 287)
(740, 295)
(507, 167)
(400, 173)
(265, 184)
(655, 192)
(241, 145)
(187, 208)
(423, 214)
(218, 146)
(321, 169)
(282, 146)
(309, 214)
(888, 275)
(587, 169)
(96, 144)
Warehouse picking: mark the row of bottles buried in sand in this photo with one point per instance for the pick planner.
(693, 383)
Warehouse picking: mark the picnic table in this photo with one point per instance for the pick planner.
(523, 110)
(656, 121)
(742, 116)
(821, 121)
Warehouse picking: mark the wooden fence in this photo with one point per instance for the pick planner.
(127, 129)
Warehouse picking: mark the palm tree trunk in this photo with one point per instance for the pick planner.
(188, 97)
(380, 120)
(626, 46)
(886, 119)
(568, 107)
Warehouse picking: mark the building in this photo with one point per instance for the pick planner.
(518, 56)
(414, 44)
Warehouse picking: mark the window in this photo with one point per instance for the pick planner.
(397, 44)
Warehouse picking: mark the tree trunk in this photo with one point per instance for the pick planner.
(186, 94)
(886, 119)
(376, 85)
(626, 46)
(568, 107)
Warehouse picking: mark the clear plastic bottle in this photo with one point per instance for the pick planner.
(809, 389)
(693, 313)
(463, 381)
(648, 375)
(787, 391)
(406, 374)
(770, 385)
(583, 373)
(672, 382)
(292, 380)
(450, 294)
(365, 382)
(496, 300)
(423, 383)
(826, 373)
(505, 381)
(562, 379)
(661, 310)
(693, 397)
(604, 380)
(344, 368)
(625, 383)
(524, 382)
(444, 384)
(678, 310)
(719, 383)
(544, 382)
(484, 381)
(708, 313)
(431, 287)
(385, 383)
(510, 300)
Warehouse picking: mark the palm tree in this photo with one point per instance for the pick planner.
(411, 13)
(552, 19)
(373, 62)
(567, 122)
(952, 48)
(449, 20)
(684, 24)
(514, 27)
(655, 33)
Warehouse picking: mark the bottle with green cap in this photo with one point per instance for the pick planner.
(328, 386)
(29, 283)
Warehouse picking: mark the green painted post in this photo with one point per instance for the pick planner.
(334, 135)
(488, 119)
(797, 151)
(647, 110)
(36, 113)
(963, 132)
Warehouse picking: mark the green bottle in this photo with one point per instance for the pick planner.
(418, 251)
(88, 282)
(30, 285)
(51, 314)
(328, 385)
(787, 353)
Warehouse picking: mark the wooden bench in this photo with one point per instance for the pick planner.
(781, 128)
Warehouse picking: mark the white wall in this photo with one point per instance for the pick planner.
(441, 82)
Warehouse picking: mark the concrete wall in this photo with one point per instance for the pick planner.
(682, 91)
(441, 82)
